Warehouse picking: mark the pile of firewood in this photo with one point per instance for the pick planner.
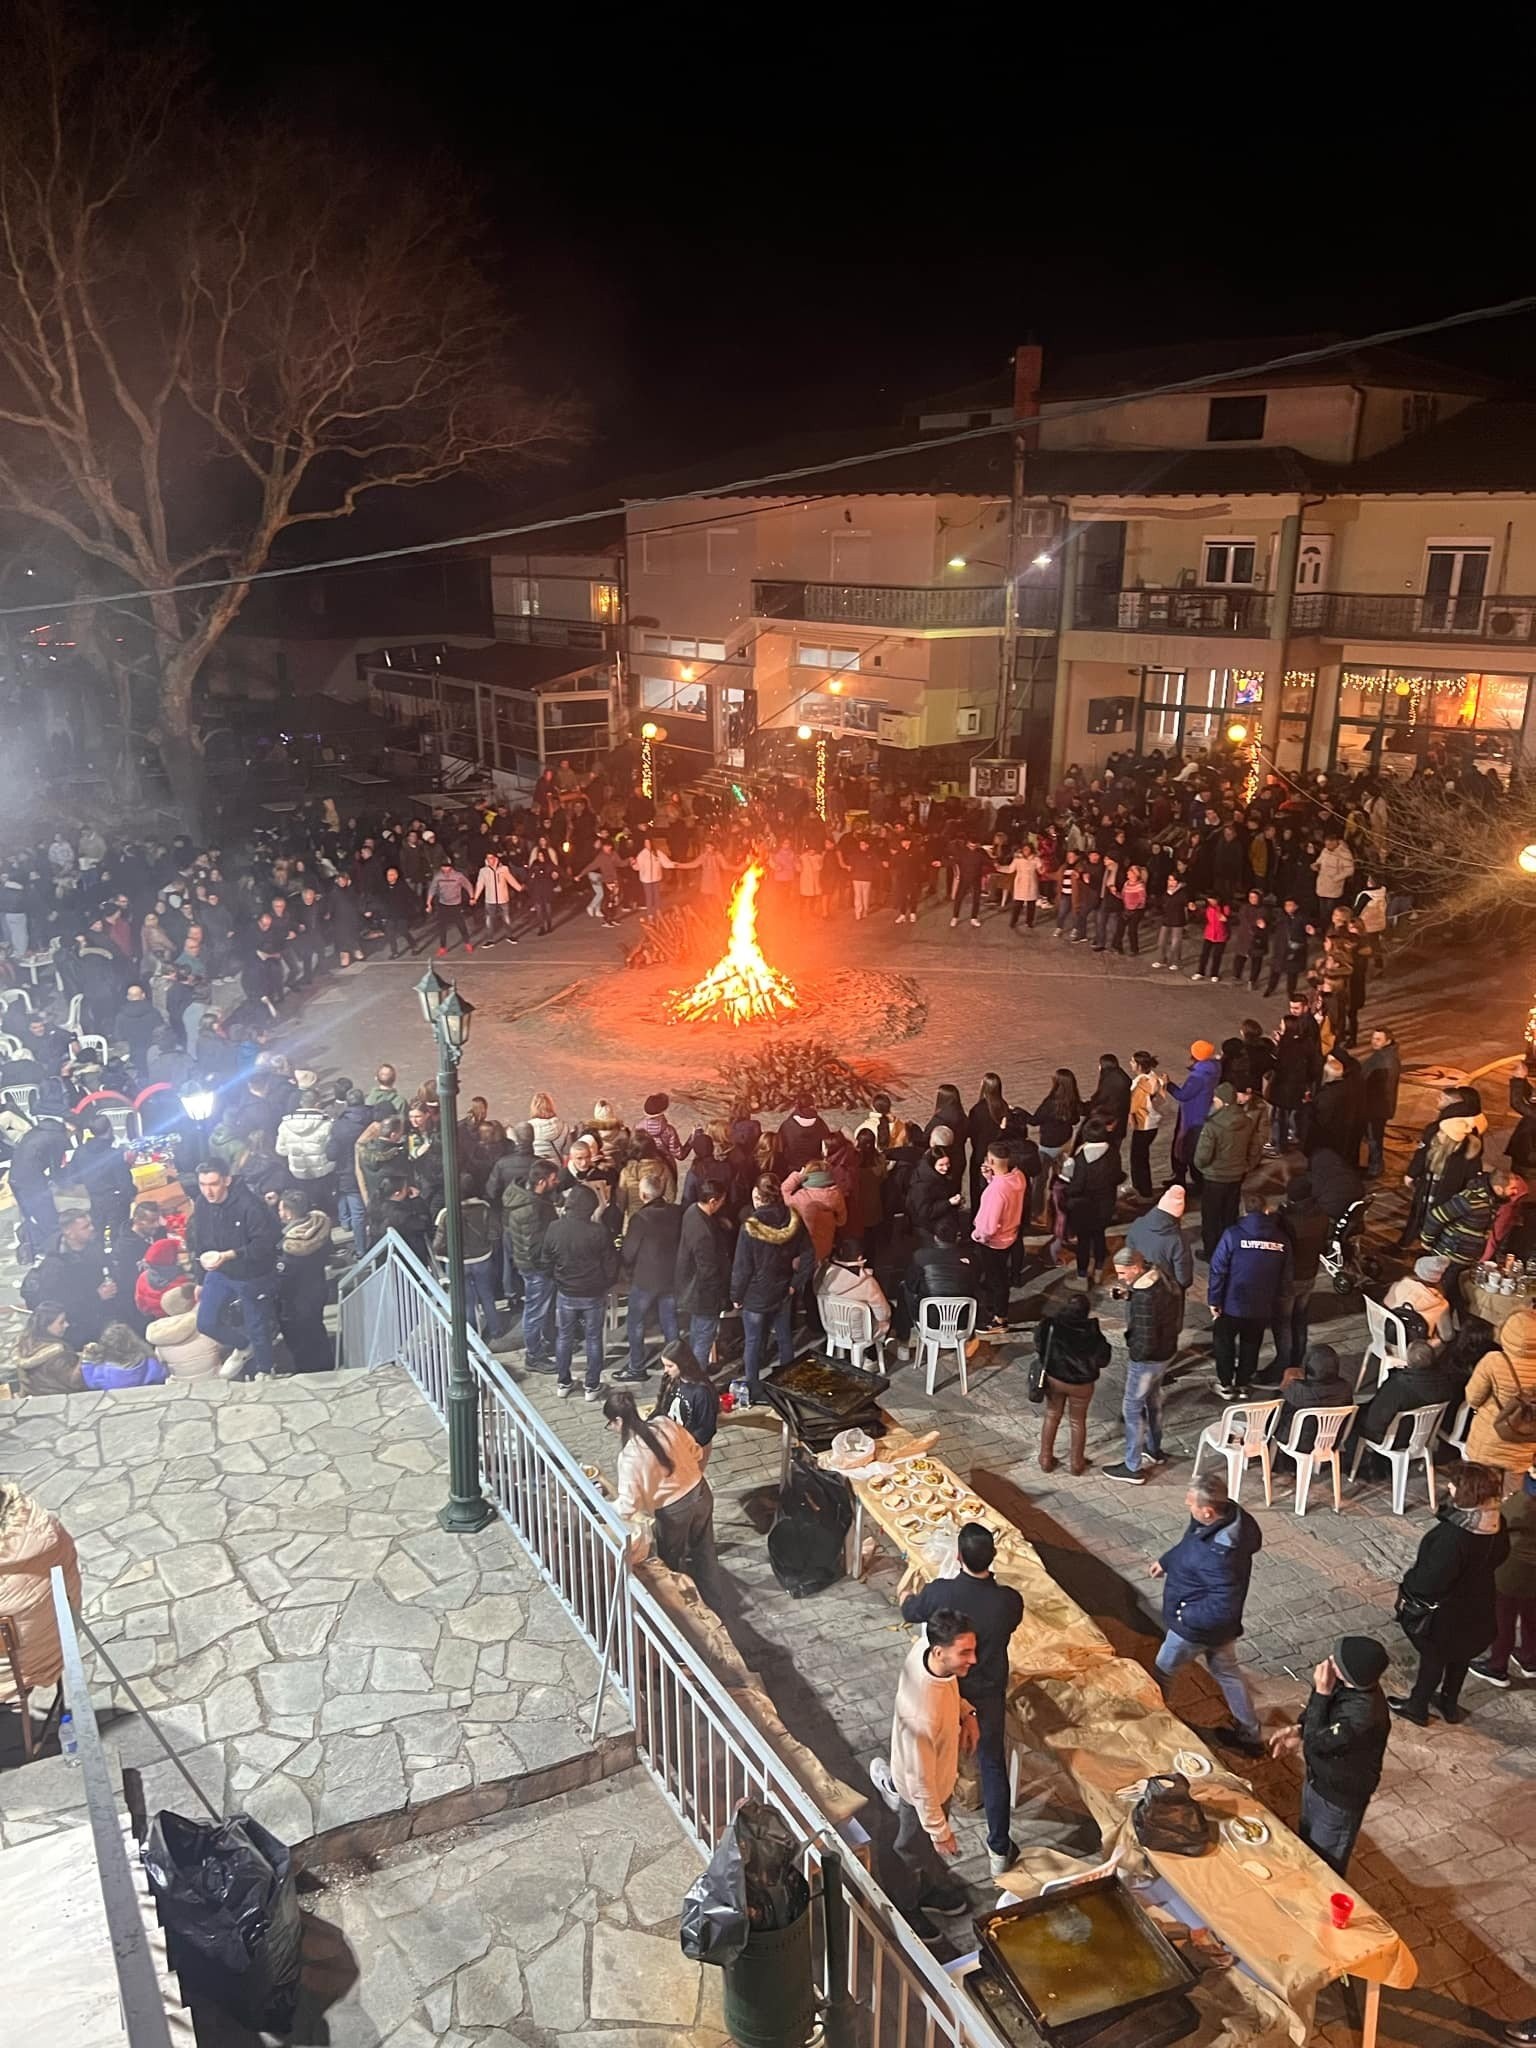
(775, 1076)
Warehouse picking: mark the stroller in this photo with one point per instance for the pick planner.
(1346, 1262)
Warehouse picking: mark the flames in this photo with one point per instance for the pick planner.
(741, 988)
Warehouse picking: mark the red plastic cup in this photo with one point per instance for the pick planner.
(1340, 1906)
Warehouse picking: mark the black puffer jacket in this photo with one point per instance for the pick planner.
(243, 1224)
(773, 1253)
(702, 1276)
(649, 1252)
(578, 1251)
(525, 1223)
(1070, 1341)
(1344, 1739)
(929, 1195)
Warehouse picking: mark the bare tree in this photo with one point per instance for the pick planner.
(210, 338)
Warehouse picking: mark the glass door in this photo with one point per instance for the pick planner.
(1454, 581)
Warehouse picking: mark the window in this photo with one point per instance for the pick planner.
(1236, 419)
(1393, 719)
(1420, 410)
(851, 560)
(663, 693)
(656, 553)
(1229, 562)
(605, 601)
(1455, 577)
(682, 647)
(720, 551)
(827, 657)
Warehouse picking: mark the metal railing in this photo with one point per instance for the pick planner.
(140, 1991)
(700, 1749)
(1172, 611)
(916, 607)
(1362, 615)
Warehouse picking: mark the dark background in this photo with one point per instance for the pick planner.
(724, 229)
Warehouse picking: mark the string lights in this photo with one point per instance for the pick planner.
(1412, 683)
(821, 776)
(651, 736)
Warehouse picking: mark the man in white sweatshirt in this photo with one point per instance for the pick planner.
(930, 1727)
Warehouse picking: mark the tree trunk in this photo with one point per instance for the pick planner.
(179, 665)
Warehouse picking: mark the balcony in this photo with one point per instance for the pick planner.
(1354, 615)
(945, 608)
(1240, 613)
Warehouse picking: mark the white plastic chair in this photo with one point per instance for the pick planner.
(22, 1097)
(949, 1327)
(1240, 1434)
(72, 1015)
(1388, 1347)
(1327, 1449)
(92, 1041)
(11, 1048)
(1421, 1436)
(124, 1122)
(14, 995)
(1456, 1431)
(35, 964)
(850, 1327)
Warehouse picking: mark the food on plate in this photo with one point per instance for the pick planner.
(1248, 1832)
(1192, 1763)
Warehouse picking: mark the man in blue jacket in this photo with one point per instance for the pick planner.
(1251, 1271)
(1205, 1584)
(1194, 1095)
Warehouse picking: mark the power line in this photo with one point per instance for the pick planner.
(1296, 359)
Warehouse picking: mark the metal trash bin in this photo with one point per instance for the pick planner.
(769, 1997)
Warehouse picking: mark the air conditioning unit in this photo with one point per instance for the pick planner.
(968, 722)
(1509, 621)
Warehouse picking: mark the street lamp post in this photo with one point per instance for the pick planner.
(466, 1508)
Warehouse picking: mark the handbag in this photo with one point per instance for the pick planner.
(1515, 1422)
(1035, 1383)
(1169, 1820)
(1415, 1617)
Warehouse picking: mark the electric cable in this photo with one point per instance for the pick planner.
(1069, 409)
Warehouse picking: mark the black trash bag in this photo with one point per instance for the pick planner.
(809, 1534)
(754, 1884)
(227, 1901)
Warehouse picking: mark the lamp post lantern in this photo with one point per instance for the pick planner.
(466, 1508)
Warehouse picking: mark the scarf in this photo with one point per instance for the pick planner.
(1483, 1521)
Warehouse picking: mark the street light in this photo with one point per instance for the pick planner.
(1527, 859)
(1237, 732)
(466, 1508)
(199, 1099)
(803, 732)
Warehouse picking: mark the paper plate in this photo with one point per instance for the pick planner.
(1192, 1763)
(1251, 1834)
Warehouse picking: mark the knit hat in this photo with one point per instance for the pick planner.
(1361, 1659)
(1202, 1049)
(165, 1251)
(818, 1177)
(1430, 1269)
(657, 1105)
(1171, 1201)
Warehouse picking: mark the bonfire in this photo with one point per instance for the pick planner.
(741, 988)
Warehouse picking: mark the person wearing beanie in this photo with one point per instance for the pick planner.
(820, 1204)
(1159, 1236)
(656, 1125)
(1194, 1095)
(1318, 1382)
(1342, 1739)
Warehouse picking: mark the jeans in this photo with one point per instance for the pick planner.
(1329, 1830)
(480, 1298)
(353, 1215)
(191, 1027)
(498, 922)
(754, 1326)
(640, 1306)
(451, 914)
(1375, 1138)
(1170, 944)
(538, 1318)
(1143, 1410)
(220, 1294)
(652, 894)
(39, 1217)
(685, 1541)
(1236, 1343)
(861, 891)
(993, 1287)
(1514, 1613)
(583, 1312)
(1284, 1127)
(1290, 1327)
(595, 907)
(701, 1337)
(992, 1764)
(1221, 1662)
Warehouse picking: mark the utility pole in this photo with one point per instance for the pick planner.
(1026, 407)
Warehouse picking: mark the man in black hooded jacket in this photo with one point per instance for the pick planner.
(583, 1261)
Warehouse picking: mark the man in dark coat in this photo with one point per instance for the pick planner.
(1297, 1071)
(584, 1263)
(1206, 1576)
(1382, 1068)
(1420, 1383)
(1337, 1122)
(527, 1212)
(1250, 1275)
(77, 1277)
(648, 1258)
(1342, 1737)
(37, 1161)
(233, 1241)
(774, 1258)
(1111, 1104)
(702, 1275)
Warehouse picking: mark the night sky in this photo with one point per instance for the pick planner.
(721, 229)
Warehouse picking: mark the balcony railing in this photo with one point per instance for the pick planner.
(1212, 612)
(1355, 615)
(917, 608)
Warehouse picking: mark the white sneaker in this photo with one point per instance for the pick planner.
(1197, 977)
(234, 1365)
(999, 1866)
(953, 922)
(880, 1777)
(977, 922)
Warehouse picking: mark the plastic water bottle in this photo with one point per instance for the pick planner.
(69, 1744)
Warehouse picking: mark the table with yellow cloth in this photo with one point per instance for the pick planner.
(1103, 1717)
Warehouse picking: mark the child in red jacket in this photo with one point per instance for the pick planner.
(1217, 925)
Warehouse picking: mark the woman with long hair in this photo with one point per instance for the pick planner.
(949, 1115)
(46, 1362)
(984, 1121)
(688, 1395)
(661, 1474)
(1057, 1117)
(1445, 1604)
